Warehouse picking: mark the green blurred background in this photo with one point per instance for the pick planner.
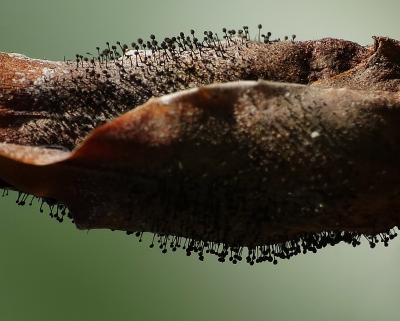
(52, 271)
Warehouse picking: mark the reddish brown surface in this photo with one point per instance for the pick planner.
(244, 164)
(56, 103)
(244, 161)
(378, 71)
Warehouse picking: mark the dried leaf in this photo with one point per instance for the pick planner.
(60, 103)
(256, 164)
(244, 164)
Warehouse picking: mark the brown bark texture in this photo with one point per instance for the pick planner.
(305, 157)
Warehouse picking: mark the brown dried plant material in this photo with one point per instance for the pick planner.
(379, 71)
(261, 165)
(59, 103)
(243, 164)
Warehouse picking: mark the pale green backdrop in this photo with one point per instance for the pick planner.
(51, 271)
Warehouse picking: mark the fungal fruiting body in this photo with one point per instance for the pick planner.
(230, 166)
(60, 103)
(274, 167)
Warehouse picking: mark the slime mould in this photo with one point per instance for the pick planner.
(269, 166)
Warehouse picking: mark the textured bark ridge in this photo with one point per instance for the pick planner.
(275, 167)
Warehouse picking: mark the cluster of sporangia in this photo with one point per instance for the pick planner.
(57, 210)
(124, 78)
(152, 69)
(284, 250)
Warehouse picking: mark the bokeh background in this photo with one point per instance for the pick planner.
(52, 271)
